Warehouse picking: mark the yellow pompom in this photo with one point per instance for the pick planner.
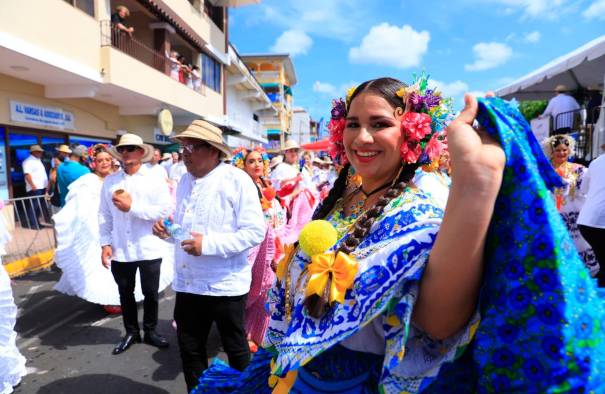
(317, 237)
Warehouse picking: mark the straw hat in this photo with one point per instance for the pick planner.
(290, 144)
(35, 148)
(129, 139)
(166, 156)
(276, 161)
(63, 149)
(317, 160)
(327, 160)
(204, 131)
(561, 89)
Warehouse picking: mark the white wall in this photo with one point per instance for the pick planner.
(301, 127)
(240, 111)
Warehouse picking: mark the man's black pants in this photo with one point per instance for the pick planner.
(125, 274)
(596, 239)
(194, 315)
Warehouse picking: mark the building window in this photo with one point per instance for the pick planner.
(87, 6)
(211, 73)
(255, 117)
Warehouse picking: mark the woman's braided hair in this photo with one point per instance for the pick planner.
(386, 88)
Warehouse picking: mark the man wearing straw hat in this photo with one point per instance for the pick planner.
(132, 199)
(218, 208)
(63, 152)
(36, 182)
(560, 104)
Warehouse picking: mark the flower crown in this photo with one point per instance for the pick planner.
(423, 125)
(93, 151)
(239, 158)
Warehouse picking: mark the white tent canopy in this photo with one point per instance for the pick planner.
(582, 68)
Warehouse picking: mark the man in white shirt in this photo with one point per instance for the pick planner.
(36, 182)
(591, 221)
(217, 205)
(155, 166)
(178, 169)
(132, 200)
(287, 173)
(559, 104)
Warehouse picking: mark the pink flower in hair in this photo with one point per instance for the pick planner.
(410, 151)
(434, 147)
(415, 126)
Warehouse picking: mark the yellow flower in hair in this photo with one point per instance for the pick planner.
(350, 92)
(317, 237)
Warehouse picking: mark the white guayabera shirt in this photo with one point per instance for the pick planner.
(130, 233)
(225, 208)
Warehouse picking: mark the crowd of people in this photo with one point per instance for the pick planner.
(370, 269)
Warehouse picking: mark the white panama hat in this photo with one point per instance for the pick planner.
(129, 139)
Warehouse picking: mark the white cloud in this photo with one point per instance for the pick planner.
(452, 89)
(324, 87)
(477, 93)
(294, 42)
(595, 11)
(489, 55)
(511, 37)
(542, 9)
(337, 19)
(331, 90)
(532, 37)
(388, 45)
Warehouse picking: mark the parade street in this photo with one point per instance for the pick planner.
(68, 344)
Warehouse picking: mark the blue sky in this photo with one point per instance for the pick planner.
(465, 45)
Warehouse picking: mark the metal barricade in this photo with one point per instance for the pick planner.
(28, 220)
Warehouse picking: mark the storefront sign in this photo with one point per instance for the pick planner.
(41, 116)
(160, 138)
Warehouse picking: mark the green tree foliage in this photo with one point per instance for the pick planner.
(532, 108)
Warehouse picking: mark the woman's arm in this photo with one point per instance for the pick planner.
(450, 286)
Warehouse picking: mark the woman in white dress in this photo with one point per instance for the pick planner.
(78, 246)
(12, 363)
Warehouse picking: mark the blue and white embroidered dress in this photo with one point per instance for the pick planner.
(371, 332)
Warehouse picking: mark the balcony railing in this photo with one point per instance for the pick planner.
(114, 37)
(124, 42)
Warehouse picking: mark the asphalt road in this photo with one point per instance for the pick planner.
(68, 342)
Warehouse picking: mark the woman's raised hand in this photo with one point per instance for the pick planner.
(477, 160)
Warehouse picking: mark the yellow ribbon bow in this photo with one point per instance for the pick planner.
(342, 268)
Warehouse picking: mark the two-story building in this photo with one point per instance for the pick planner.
(68, 74)
(276, 75)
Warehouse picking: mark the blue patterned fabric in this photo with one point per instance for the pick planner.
(542, 321)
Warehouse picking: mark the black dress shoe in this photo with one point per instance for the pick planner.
(126, 342)
(155, 339)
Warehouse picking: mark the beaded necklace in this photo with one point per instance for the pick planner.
(345, 225)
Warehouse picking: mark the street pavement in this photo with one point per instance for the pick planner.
(68, 342)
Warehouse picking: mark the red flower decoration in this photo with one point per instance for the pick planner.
(415, 126)
(269, 193)
(434, 147)
(337, 149)
(410, 151)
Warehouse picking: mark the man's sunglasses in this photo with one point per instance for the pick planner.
(190, 148)
(127, 148)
